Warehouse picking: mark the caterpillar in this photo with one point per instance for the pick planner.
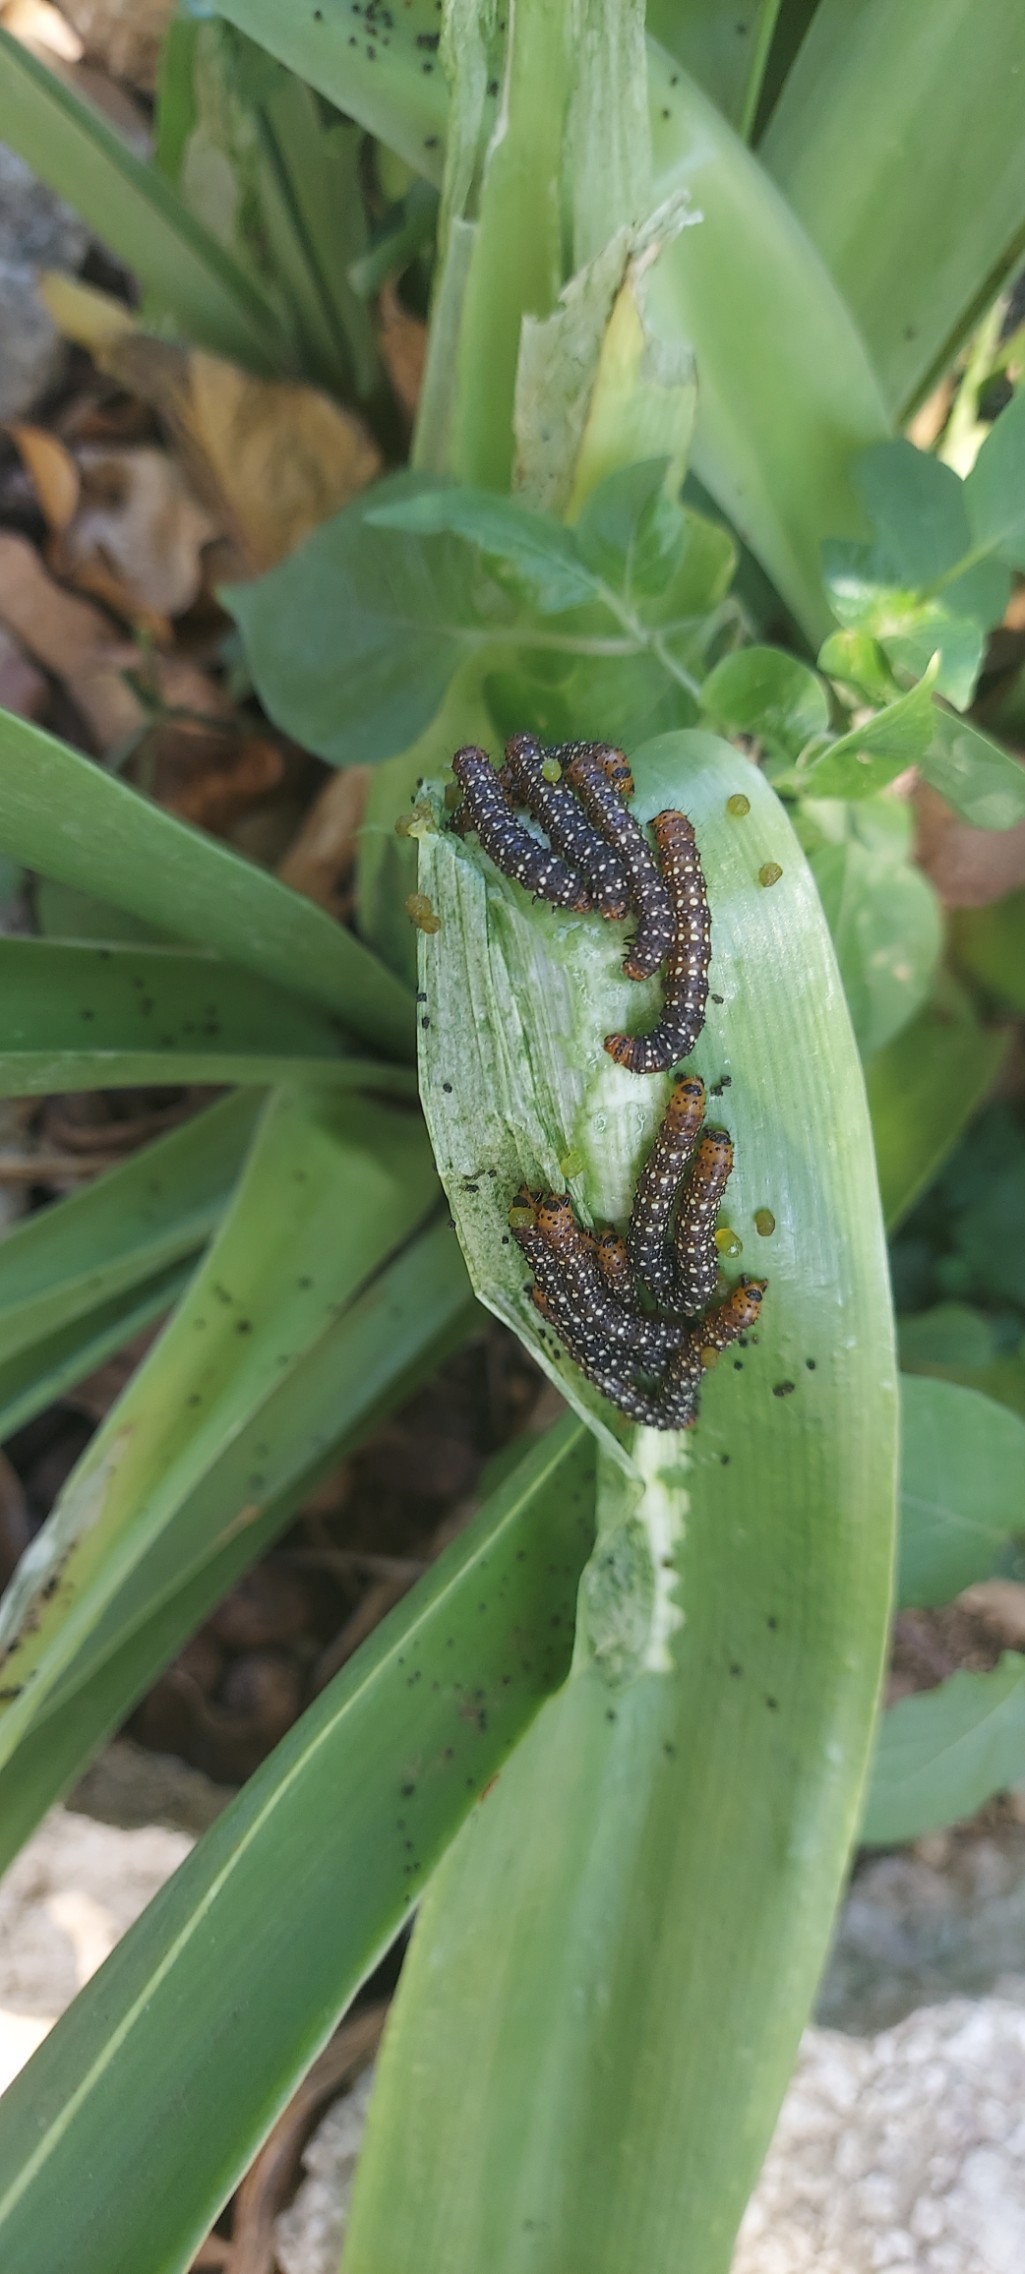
(485, 807)
(687, 953)
(567, 826)
(613, 762)
(601, 1336)
(726, 1320)
(695, 1253)
(596, 787)
(599, 1313)
(647, 1238)
(610, 1254)
(680, 1388)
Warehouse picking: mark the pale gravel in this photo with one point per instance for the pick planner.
(902, 2148)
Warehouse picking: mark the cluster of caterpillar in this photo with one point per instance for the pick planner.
(598, 860)
(636, 1314)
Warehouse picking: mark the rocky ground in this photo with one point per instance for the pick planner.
(901, 2143)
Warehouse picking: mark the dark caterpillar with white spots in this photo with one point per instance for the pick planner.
(531, 777)
(485, 807)
(687, 952)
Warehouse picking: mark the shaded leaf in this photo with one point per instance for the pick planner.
(990, 943)
(353, 641)
(962, 1488)
(883, 915)
(390, 94)
(977, 777)
(923, 1088)
(90, 2142)
(788, 396)
(136, 214)
(941, 1754)
(631, 531)
(391, 1338)
(156, 1207)
(872, 109)
(38, 1372)
(329, 1190)
(542, 554)
(772, 696)
(872, 754)
(76, 1017)
(950, 1334)
(995, 488)
(64, 816)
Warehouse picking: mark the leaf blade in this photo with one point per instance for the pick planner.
(62, 815)
(134, 210)
(350, 1761)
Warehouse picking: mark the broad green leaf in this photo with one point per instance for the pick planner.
(216, 302)
(990, 943)
(870, 755)
(923, 1088)
(763, 692)
(982, 781)
(353, 640)
(385, 75)
(962, 1488)
(632, 530)
(365, 1363)
(883, 914)
(860, 143)
(917, 509)
(858, 662)
(543, 555)
(927, 585)
(787, 396)
(647, 1893)
(76, 1017)
(724, 52)
(37, 1373)
(158, 1206)
(944, 1752)
(995, 489)
(950, 1334)
(62, 815)
(63, 913)
(330, 1188)
(910, 626)
(240, 1968)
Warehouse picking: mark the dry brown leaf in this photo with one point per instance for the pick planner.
(319, 861)
(22, 688)
(282, 456)
(124, 35)
(69, 637)
(42, 27)
(75, 641)
(403, 343)
(138, 536)
(215, 798)
(53, 472)
(1000, 1604)
(272, 458)
(94, 319)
